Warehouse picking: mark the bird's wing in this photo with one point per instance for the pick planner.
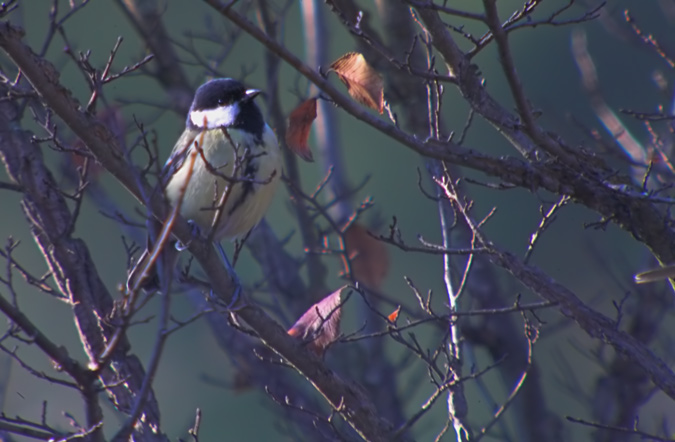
(178, 154)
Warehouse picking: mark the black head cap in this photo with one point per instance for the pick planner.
(227, 91)
(218, 92)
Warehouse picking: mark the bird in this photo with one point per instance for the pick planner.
(235, 171)
(654, 275)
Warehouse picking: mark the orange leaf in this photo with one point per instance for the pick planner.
(299, 124)
(394, 315)
(363, 82)
(320, 325)
(368, 256)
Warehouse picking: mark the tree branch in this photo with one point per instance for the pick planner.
(345, 397)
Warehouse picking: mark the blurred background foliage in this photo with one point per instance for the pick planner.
(597, 264)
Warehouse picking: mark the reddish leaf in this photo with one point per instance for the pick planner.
(363, 83)
(394, 315)
(299, 124)
(368, 256)
(320, 325)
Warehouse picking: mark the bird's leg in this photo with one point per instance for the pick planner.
(196, 232)
(230, 270)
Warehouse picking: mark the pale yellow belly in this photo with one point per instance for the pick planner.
(205, 189)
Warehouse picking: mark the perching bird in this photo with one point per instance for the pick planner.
(227, 129)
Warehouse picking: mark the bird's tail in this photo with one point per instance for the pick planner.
(144, 274)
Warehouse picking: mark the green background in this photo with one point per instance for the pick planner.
(596, 265)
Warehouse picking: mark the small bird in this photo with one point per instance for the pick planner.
(227, 129)
(654, 275)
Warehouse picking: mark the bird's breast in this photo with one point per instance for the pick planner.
(235, 173)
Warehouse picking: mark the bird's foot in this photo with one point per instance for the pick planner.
(234, 303)
(233, 275)
(196, 232)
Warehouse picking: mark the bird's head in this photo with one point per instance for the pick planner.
(224, 102)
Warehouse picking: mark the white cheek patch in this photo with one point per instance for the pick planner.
(223, 116)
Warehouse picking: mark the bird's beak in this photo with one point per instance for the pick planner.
(251, 94)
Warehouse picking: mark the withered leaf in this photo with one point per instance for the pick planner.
(363, 83)
(320, 325)
(368, 256)
(394, 315)
(299, 124)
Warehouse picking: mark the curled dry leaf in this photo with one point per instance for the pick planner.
(299, 124)
(394, 315)
(368, 256)
(364, 83)
(320, 325)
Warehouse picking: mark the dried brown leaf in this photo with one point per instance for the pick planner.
(368, 256)
(320, 325)
(299, 124)
(364, 83)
